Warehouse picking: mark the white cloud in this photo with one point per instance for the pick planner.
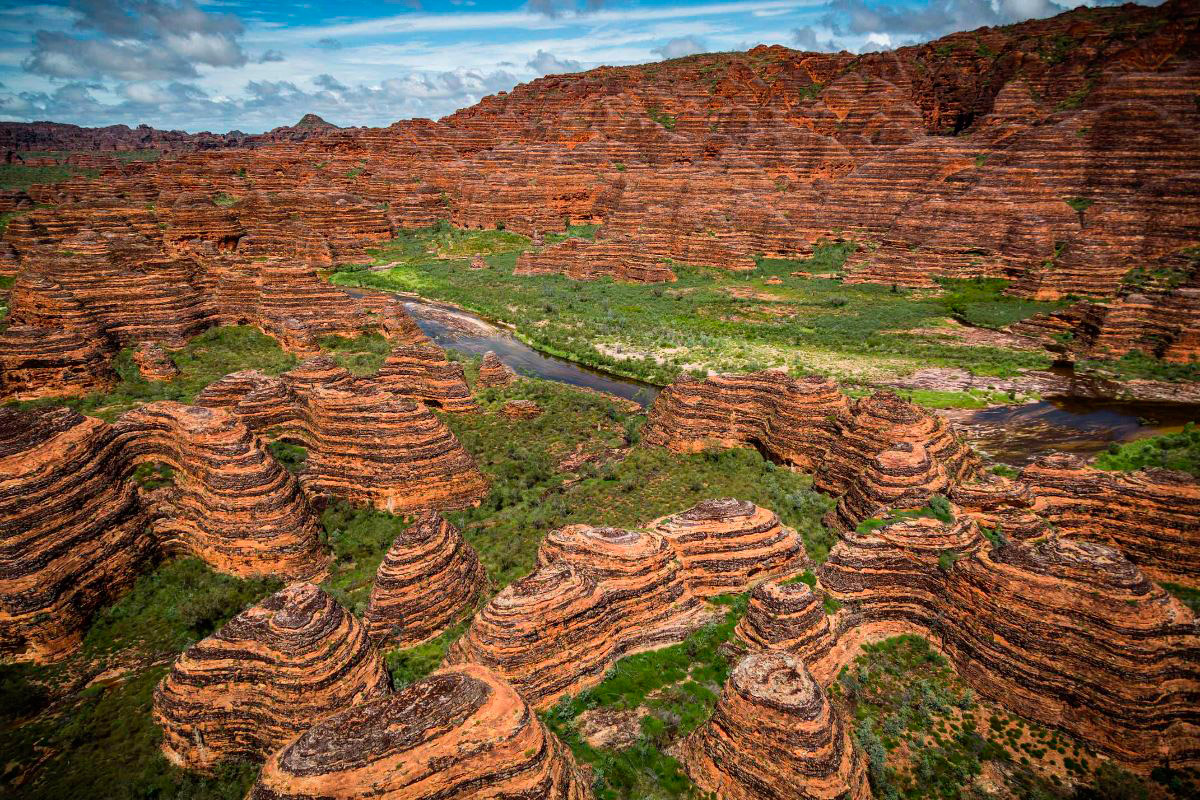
(681, 46)
(547, 63)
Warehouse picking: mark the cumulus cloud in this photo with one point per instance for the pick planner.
(806, 39)
(548, 63)
(137, 40)
(270, 56)
(329, 43)
(904, 24)
(682, 46)
(263, 104)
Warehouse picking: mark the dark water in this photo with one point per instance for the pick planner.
(1020, 434)
(1011, 434)
(467, 333)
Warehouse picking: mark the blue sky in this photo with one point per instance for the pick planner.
(224, 64)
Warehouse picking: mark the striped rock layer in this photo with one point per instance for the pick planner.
(774, 736)
(726, 545)
(460, 734)
(427, 579)
(792, 420)
(406, 460)
(789, 616)
(398, 327)
(231, 503)
(1068, 633)
(154, 363)
(493, 373)
(268, 675)
(600, 594)
(903, 477)
(71, 529)
(422, 372)
(1152, 516)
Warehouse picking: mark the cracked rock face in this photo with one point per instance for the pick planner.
(460, 733)
(268, 675)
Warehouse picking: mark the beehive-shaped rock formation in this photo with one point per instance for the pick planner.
(493, 373)
(1068, 633)
(460, 734)
(880, 422)
(231, 503)
(269, 674)
(904, 477)
(398, 327)
(600, 594)
(71, 533)
(406, 460)
(40, 362)
(154, 363)
(774, 736)
(725, 546)
(428, 578)
(422, 372)
(793, 420)
(789, 616)
(521, 409)
(1152, 516)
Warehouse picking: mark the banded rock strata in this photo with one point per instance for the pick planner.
(774, 736)
(493, 373)
(428, 577)
(460, 734)
(268, 675)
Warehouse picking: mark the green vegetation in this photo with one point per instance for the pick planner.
(676, 687)
(1080, 204)
(225, 199)
(1189, 596)
(206, 358)
(709, 319)
(925, 735)
(1136, 365)
(666, 120)
(359, 538)
(63, 736)
(1179, 451)
(938, 508)
(362, 356)
(19, 176)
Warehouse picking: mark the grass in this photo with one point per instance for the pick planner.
(19, 176)
(1187, 595)
(709, 319)
(1136, 365)
(206, 358)
(64, 739)
(677, 686)
(925, 735)
(362, 356)
(1178, 451)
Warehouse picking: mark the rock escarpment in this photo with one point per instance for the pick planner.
(460, 733)
(71, 529)
(154, 363)
(268, 675)
(230, 502)
(789, 616)
(428, 578)
(406, 460)
(774, 736)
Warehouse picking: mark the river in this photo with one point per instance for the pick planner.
(1016, 434)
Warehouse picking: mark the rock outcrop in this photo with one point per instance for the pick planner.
(268, 675)
(422, 372)
(154, 363)
(774, 736)
(71, 529)
(792, 420)
(726, 546)
(521, 409)
(428, 578)
(600, 594)
(789, 616)
(493, 373)
(405, 461)
(459, 734)
(230, 502)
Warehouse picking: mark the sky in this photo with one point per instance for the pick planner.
(221, 65)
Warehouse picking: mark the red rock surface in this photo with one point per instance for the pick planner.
(268, 675)
(230, 502)
(429, 577)
(493, 373)
(460, 734)
(773, 735)
(405, 460)
(521, 409)
(154, 363)
(71, 534)
(422, 372)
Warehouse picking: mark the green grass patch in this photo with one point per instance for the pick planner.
(1188, 595)
(19, 176)
(1179, 451)
(362, 356)
(1136, 365)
